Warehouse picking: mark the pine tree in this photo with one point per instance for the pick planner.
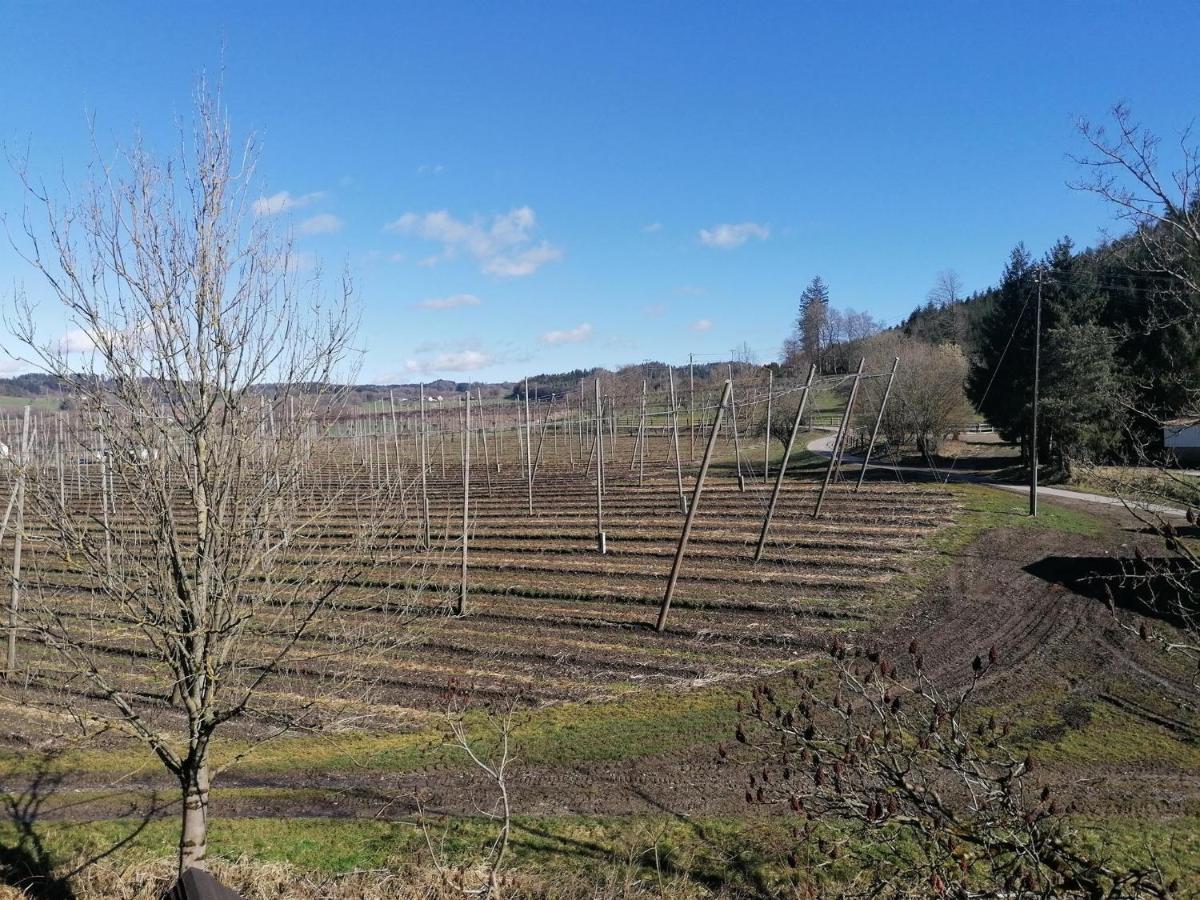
(811, 321)
(1000, 383)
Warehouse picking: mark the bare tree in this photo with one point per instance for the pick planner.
(1161, 202)
(947, 289)
(490, 748)
(928, 396)
(196, 583)
(924, 794)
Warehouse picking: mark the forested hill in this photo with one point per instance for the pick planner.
(1120, 345)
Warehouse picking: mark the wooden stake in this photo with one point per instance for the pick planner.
(427, 539)
(466, 452)
(601, 543)
(841, 436)
(10, 661)
(528, 451)
(691, 516)
(787, 456)
(878, 421)
(683, 506)
(767, 434)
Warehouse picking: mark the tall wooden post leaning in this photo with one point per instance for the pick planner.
(887, 392)
(528, 451)
(767, 431)
(692, 406)
(466, 515)
(426, 536)
(675, 439)
(691, 515)
(487, 464)
(837, 443)
(10, 659)
(787, 456)
(537, 459)
(601, 542)
(854, 389)
(737, 444)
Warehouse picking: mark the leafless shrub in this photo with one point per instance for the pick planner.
(898, 792)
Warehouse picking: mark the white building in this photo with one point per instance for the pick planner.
(1181, 437)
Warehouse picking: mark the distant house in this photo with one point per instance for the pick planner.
(1181, 437)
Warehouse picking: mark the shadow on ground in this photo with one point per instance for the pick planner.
(1157, 587)
(26, 862)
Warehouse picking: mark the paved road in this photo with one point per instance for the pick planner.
(824, 446)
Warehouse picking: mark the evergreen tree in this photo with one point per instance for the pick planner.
(1000, 383)
(812, 321)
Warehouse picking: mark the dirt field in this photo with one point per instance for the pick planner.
(623, 722)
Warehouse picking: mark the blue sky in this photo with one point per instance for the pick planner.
(523, 187)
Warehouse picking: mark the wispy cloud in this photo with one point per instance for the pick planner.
(76, 340)
(451, 302)
(431, 169)
(728, 235)
(701, 325)
(502, 245)
(654, 310)
(652, 228)
(284, 201)
(569, 335)
(322, 223)
(445, 363)
(302, 261)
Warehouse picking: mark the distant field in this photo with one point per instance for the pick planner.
(41, 403)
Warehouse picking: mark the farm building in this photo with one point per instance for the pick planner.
(1181, 437)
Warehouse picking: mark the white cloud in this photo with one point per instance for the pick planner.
(459, 361)
(701, 325)
(10, 366)
(502, 245)
(454, 300)
(652, 227)
(76, 340)
(727, 236)
(654, 310)
(322, 223)
(283, 202)
(431, 169)
(568, 336)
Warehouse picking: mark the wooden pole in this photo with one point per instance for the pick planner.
(837, 443)
(767, 433)
(466, 517)
(427, 538)
(642, 439)
(10, 660)
(692, 406)
(487, 465)
(787, 456)
(691, 516)
(683, 505)
(528, 451)
(601, 543)
(878, 421)
(737, 444)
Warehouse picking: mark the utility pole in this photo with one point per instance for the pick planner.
(1037, 366)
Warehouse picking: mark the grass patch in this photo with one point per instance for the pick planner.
(571, 852)
(642, 724)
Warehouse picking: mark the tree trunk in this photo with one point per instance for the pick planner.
(193, 839)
